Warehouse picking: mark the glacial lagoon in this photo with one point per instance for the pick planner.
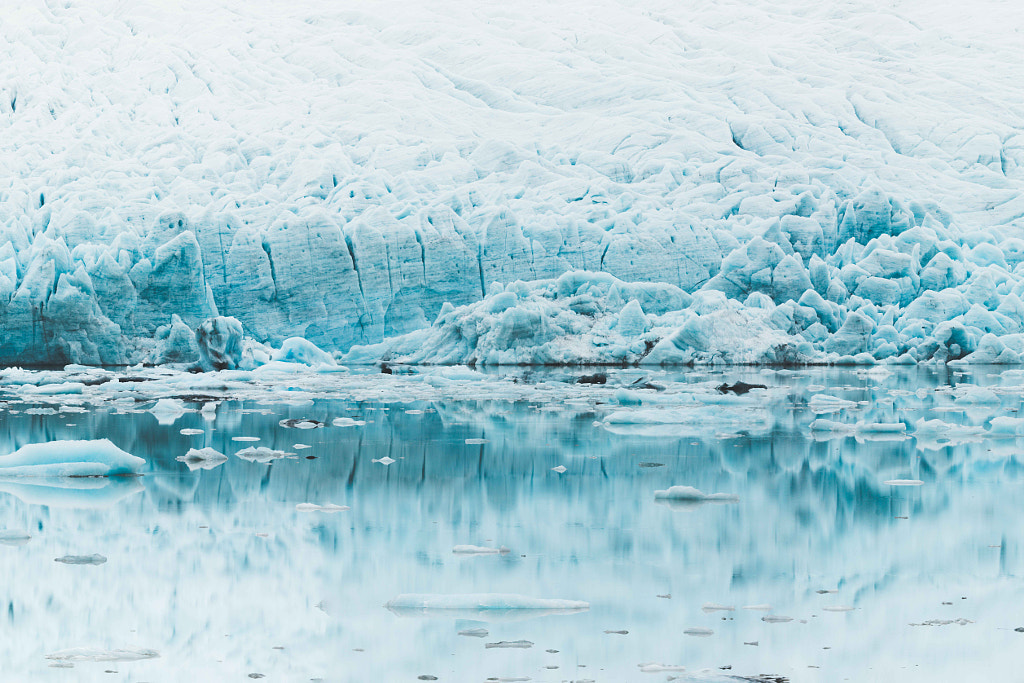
(842, 552)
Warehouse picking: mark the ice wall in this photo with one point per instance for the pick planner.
(342, 174)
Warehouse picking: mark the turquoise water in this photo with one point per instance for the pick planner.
(218, 573)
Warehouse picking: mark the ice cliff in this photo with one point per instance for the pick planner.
(764, 182)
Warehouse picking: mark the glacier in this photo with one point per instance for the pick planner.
(226, 185)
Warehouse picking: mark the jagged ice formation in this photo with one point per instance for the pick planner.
(804, 182)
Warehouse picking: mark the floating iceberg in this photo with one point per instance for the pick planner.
(688, 497)
(202, 458)
(97, 458)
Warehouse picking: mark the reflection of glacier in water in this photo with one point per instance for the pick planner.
(218, 572)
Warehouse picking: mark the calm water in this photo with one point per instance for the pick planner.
(219, 573)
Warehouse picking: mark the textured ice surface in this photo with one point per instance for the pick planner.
(830, 183)
(95, 458)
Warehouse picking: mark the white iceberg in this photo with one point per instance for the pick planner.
(96, 458)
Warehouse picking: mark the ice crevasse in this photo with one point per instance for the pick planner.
(229, 185)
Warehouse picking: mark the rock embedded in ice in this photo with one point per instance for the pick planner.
(96, 458)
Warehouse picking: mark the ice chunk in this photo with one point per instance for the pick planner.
(96, 458)
(14, 537)
(558, 468)
(825, 403)
(347, 422)
(699, 632)
(167, 410)
(262, 454)
(776, 619)
(329, 507)
(655, 668)
(482, 603)
(299, 350)
(303, 423)
(478, 550)
(191, 432)
(386, 460)
(687, 496)
(510, 644)
(219, 342)
(904, 482)
(89, 654)
(202, 458)
(94, 559)
(474, 632)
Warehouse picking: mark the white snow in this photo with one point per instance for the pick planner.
(96, 458)
(441, 183)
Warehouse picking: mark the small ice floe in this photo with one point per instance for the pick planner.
(14, 537)
(94, 559)
(300, 446)
(55, 389)
(560, 469)
(510, 644)
(300, 424)
(190, 432)
(688, 497)
(209, 410)
(698, 632)
(202, 458)
(386, 460)
(758, 608)
(944, 622)
(904, 482)
(824, 403)
(476, 442)
(481, 606)
(478, 550)
(839, 608)
(347, 422)
(655, 668)
(475, 632)
(94, 458)
(414, 411)
(262, 454)
(245, 439)
(167, 410)
(41, 411)
(329, 507)
(712, 607)
(91, 654)
(775, 619)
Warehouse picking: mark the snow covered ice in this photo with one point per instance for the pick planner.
(225, 184)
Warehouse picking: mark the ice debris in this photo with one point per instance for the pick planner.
(89, 654)
(94, 559)
(262, 454)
